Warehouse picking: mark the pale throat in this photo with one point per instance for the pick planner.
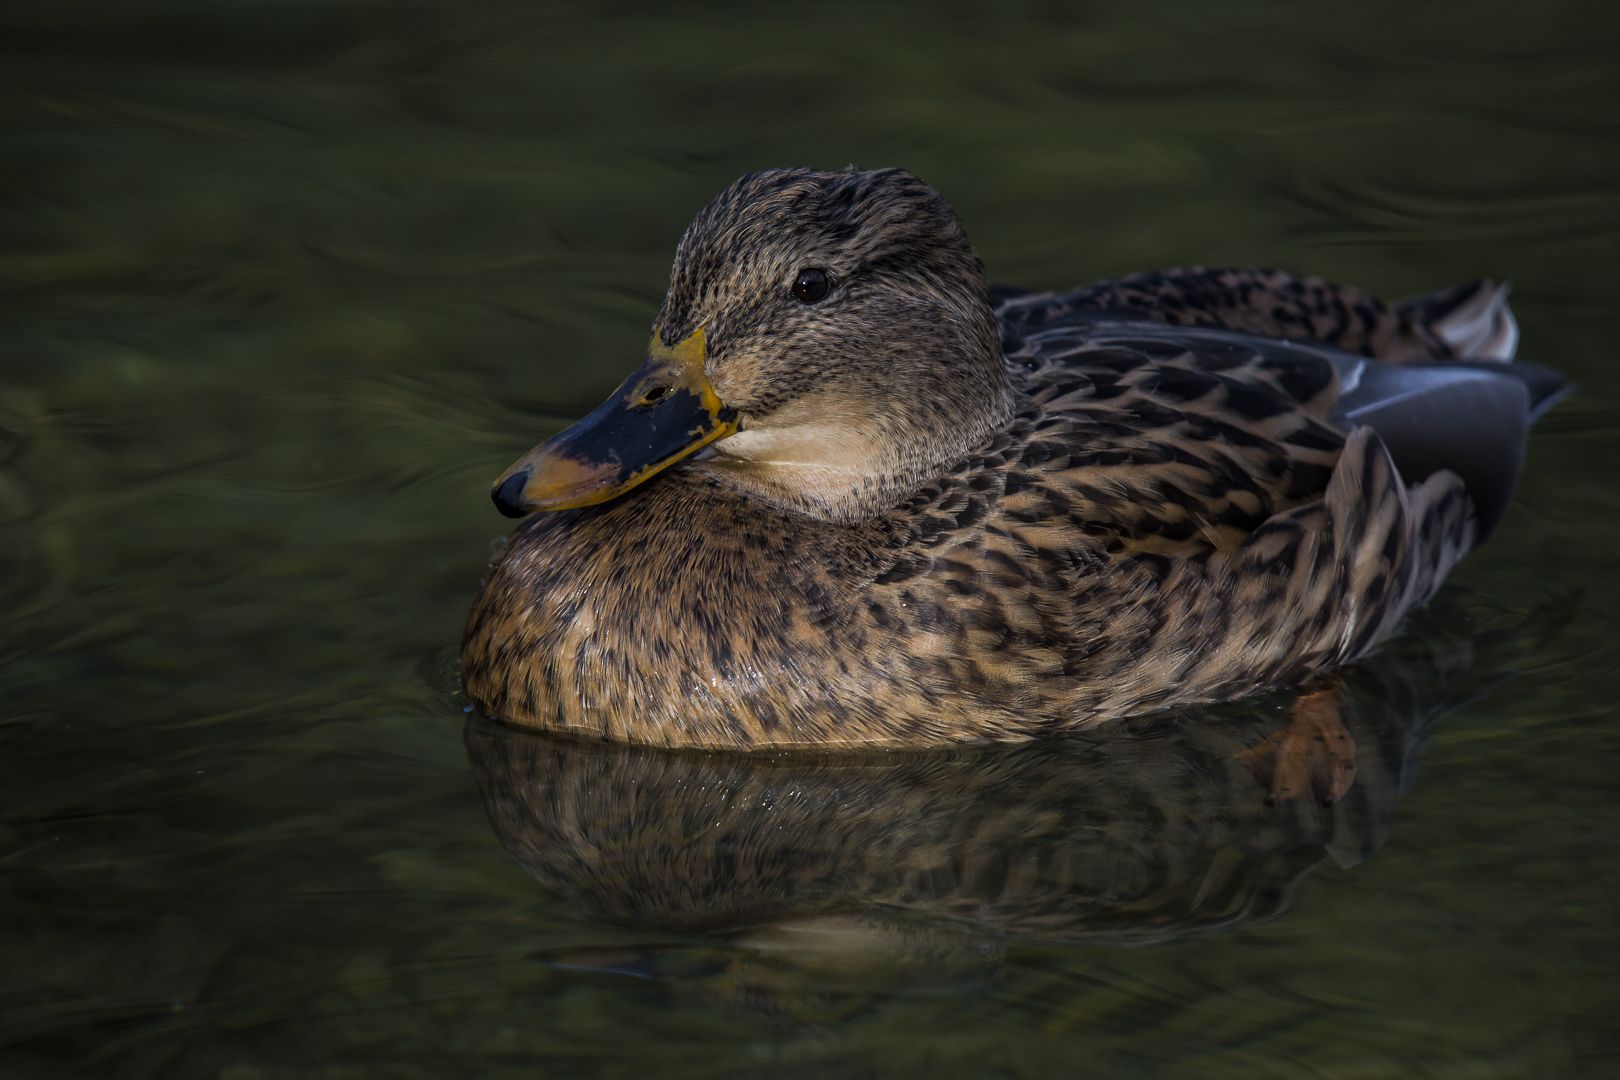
(805, 461)
(833, 460)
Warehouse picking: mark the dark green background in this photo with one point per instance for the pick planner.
(284, 285)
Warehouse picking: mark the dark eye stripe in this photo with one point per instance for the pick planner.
(811, 285)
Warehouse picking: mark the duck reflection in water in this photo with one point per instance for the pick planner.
(827, 878)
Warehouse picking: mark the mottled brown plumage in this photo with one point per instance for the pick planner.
(920, 537)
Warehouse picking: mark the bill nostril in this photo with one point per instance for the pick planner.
(509, 495)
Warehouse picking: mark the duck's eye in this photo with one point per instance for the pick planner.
(811, 285)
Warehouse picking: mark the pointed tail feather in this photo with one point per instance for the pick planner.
(1471, 322)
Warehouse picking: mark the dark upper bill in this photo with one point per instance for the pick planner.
(663, 412)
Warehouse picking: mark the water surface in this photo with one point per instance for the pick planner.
(284, 285)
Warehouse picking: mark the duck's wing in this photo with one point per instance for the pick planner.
(1156, 439)
(1192, 427)
(1187, 514)
(1472, 418)
(1181, 517)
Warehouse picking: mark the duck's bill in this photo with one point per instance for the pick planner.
(662, 413)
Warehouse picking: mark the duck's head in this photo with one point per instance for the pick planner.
(829, 337)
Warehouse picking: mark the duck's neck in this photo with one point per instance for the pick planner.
(857, 463)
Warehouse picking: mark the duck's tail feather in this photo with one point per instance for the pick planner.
(1471, 322)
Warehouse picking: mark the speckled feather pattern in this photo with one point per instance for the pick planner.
(1269, 303)
(1158, 524)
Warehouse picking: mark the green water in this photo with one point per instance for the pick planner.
(284, 285)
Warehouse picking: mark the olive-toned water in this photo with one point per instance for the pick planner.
(284, 285)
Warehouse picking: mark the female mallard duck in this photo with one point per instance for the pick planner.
(890, 506)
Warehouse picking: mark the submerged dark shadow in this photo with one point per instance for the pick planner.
(922, 866)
